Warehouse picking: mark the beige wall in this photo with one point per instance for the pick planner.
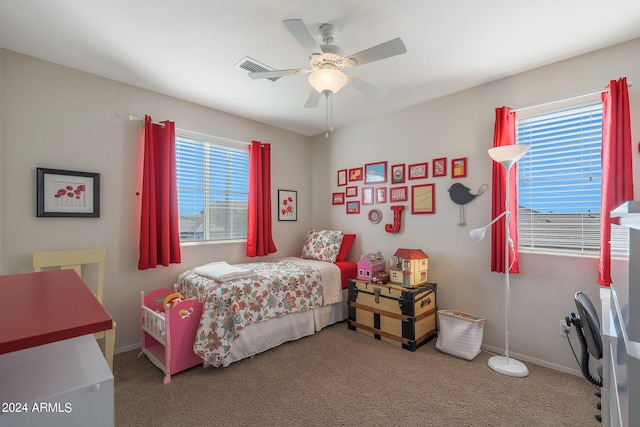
(56, 117)
(52, 116)
(461, 125)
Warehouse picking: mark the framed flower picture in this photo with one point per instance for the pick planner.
(423, 199)
(353, 208)
(398, 194)
(419, 170)
(287, 205)
(355, 174)
(459, 167)
(375, 172)
(397, 173)
(351, 191)
(342, 177)
(65, 193)
(337, 199)
(440, 167)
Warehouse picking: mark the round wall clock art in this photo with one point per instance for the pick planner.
(375, 216)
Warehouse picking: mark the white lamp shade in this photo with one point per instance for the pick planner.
(477, 234)
(508, 154)
(327, 79)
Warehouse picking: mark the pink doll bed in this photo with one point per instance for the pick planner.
(168, 331)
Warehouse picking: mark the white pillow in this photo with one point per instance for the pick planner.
(322, 245)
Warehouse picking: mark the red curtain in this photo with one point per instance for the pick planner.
(259, 238)
(617, 175)
(159, 232)
(504, 134)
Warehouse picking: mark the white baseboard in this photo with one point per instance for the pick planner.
(523, 358)
(486, 348)
(127, 348)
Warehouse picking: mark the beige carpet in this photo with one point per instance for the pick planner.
(340, 377)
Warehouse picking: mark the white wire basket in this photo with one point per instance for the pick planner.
(460, 334)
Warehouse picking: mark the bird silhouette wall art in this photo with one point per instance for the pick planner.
(462, 195)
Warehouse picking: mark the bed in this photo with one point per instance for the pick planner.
(269, 303)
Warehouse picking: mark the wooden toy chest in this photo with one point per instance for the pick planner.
(392, 313)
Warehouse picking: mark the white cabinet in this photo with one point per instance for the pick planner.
(621, 332)
(66, 383)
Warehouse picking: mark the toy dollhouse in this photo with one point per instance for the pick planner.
(408, 267)
(369, 265)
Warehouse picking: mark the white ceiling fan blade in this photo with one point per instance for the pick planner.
(313, 100)
(301, 32)
(385, 50)
(367, 88)
(277, 73)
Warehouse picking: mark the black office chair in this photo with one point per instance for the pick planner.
(587, 326)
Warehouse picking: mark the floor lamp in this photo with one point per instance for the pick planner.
(507, 155)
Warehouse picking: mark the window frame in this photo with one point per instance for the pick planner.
(580, 249)
(215, 142)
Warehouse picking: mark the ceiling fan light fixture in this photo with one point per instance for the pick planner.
(327, 79)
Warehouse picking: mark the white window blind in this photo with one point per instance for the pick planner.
(559, 182)
(213, 188)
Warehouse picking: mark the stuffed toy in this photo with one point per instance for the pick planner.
(185, 313)
(172, 299)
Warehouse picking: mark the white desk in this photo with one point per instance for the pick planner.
(621, 333)
(62, 384)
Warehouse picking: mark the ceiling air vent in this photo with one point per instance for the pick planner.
(253, 66)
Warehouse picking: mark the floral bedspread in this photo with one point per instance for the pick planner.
(279, 288)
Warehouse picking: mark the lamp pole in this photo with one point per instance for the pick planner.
(507, 155)
(507, 268)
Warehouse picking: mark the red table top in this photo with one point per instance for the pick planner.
(40, 308)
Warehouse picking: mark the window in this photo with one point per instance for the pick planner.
(559, 181)
(213, 187)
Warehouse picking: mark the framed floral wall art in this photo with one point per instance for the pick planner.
(440, 167)
(64, 193)
(419, 170)
(287, 205)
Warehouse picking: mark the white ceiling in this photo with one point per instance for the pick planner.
(188, 49)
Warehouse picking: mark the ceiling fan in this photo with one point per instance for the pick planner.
(327, 62)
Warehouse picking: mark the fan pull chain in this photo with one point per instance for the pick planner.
(328, 113)
(331, 116)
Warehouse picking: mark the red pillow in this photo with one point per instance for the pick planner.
(347, 241)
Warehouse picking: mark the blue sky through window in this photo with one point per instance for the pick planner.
(561, 172)
(207, 173)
